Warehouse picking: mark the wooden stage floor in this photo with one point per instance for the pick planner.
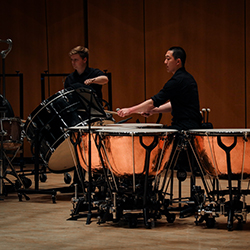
(39, 223)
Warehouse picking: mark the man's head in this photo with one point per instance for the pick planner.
(175, 58)
(79, 56)
(179, 52)
(82, 51)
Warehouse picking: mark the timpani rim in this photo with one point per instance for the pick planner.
(220, 131)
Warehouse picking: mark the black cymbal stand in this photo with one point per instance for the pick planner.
(2, 133)
(4, 53)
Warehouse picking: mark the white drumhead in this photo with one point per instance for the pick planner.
(225, 131)
(137, 125)
(63, 158)
(132, 130)
(85, 128)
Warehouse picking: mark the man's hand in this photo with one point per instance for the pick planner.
(123, 112)
(89, 81)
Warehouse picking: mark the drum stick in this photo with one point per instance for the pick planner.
(106, 111)
(111, 112)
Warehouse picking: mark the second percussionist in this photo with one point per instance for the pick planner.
(84, 74)
(178, 96)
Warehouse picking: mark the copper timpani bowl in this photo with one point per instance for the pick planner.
(213, 157)
(129, 151)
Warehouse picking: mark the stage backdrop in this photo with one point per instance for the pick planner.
(129, 39)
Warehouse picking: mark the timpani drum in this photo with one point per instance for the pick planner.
(83, 147)
(130, 151)
(212, 146)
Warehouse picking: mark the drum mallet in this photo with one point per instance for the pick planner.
(203, 114)
(208, 110)
(110, 112)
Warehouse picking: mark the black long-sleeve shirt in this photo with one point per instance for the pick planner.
(88, 73)
(182, 91)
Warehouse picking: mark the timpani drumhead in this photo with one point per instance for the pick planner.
(136, 125)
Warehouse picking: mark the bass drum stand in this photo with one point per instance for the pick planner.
(22, 192)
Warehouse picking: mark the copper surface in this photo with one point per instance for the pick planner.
(119, 151)
(127, 156)
(83, 154)
(213, 157)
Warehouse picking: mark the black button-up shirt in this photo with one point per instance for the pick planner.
(87, 74)
(182, 91)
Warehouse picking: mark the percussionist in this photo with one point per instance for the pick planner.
(84, 75)
(178, 96)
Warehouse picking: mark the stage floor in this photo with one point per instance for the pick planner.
(39, 223)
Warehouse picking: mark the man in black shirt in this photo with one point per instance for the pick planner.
(83, 74)
(178, 96)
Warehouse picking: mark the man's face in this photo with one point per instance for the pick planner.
(78, 63)
(171, 63)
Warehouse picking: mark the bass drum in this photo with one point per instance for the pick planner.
(46, 126)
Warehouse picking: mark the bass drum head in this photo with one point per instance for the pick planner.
(64, 157)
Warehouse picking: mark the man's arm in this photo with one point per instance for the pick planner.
(101, 80)
(144, 107)
(164, 108)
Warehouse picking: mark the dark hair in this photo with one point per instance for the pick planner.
(179, 52)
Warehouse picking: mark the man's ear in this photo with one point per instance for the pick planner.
(85, 59)
(178, 61)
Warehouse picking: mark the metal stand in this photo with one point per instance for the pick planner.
(90, 175)
(233, 208)
(196, 193)
(2, 133)
(4, 53)
(227, 150)
(94, 108)
(22, 192)
(148, 149)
